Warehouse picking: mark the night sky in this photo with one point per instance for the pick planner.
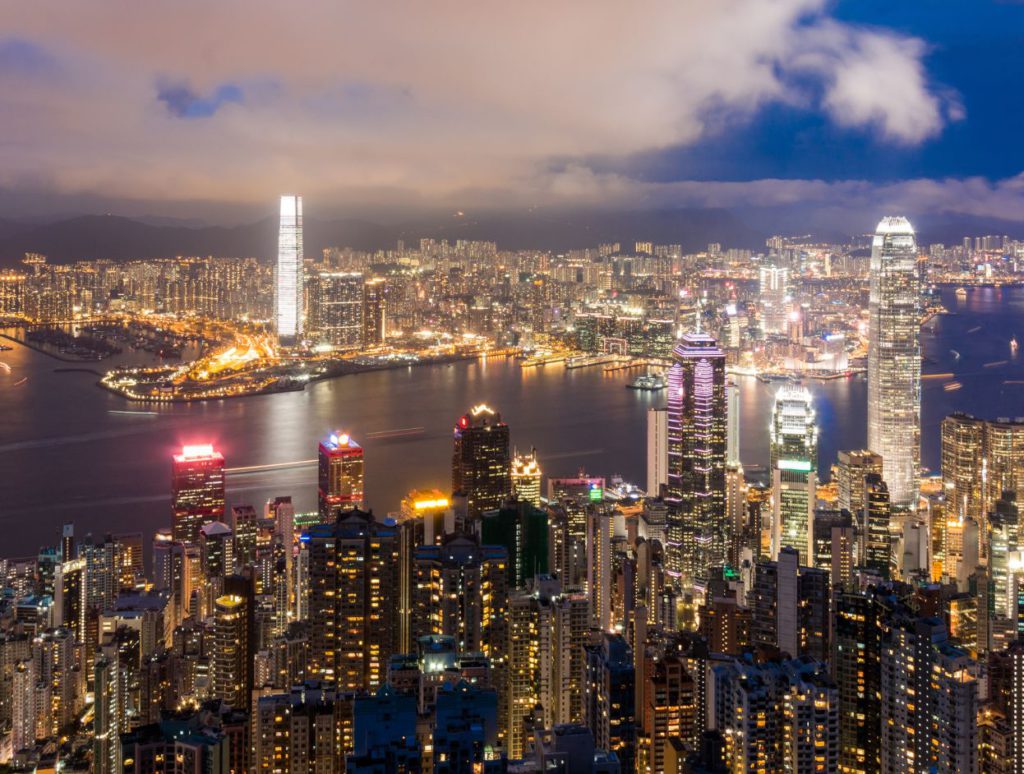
(210, 110)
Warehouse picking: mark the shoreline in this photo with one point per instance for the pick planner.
(354, 369)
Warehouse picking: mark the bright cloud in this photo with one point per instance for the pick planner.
(237, 100)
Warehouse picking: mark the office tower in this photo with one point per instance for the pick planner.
(894, 358)
(526, 476)
(657, 450)
(929, 693)
(374, 311)
(964, 467)
(877, 553)
(522, 530)
(696, 453)
(303, 731)
(790, 607)
(609, 694)
(856, 667)
(1004, 554)
(197, 490)
(774, 287)
(776, 716)
(288, 295)
(546, 633)
(231, 648)
(340, 474)
(336, 309)
(852, 468)
(794, 467)
(481, 465)
(163, 539)
(427, 518)
(353, 599)
(981, 459)
(732, 438)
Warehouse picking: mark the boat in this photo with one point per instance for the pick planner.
(961, 294)
(955, 354)
(1013, 345)
(648, 382)
(952, 386)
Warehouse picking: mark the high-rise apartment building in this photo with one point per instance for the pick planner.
(232, 650)
(353, 599)
(894, 358)
(340, 473)
(696, 453)
(794, 467)
(336, 309)
(288, 292)
(375, 292)
(197, 491)
(481, 463)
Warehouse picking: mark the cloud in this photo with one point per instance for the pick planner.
(183, 102)
(427, 102)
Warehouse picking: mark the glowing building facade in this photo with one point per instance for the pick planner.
(481, 466)
(288, 293)
(197, 491)
(526, 475)
(696, 455)
(340, 473)
(894, 358)
(794, 465)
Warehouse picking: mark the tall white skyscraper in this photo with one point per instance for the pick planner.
(657, 450)
(894, 358)
(288, 290)
(732, 436)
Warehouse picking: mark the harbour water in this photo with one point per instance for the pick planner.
(70, 451)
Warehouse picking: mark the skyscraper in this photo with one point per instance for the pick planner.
(232, 651)
(894, 358)
(288, 294)
(481, 466)
(794, 467)
(696, 451)
(657, 450)
(340, 473)
(197, 490)
(354, 569)
(526, 474)
(374, 311)
(876, 550)
(852, 467)
(337, 309)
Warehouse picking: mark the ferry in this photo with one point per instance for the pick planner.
(1013, 345)
(961, 294)
(648, 382)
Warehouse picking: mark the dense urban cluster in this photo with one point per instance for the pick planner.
(712, 621)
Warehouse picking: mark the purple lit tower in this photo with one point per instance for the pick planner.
(697, 430)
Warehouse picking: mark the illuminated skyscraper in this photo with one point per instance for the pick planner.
(340, 473)
(231, 638)
(852, 467)
(794, 466)
(894, 358)
(774, 286)
(337, 309)
(874, 526)
(288, 295)
(657, 450)
(526, 475)
(354, 569)
(197, 491)
(374, 311)
(481, 467)
(696, 452)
